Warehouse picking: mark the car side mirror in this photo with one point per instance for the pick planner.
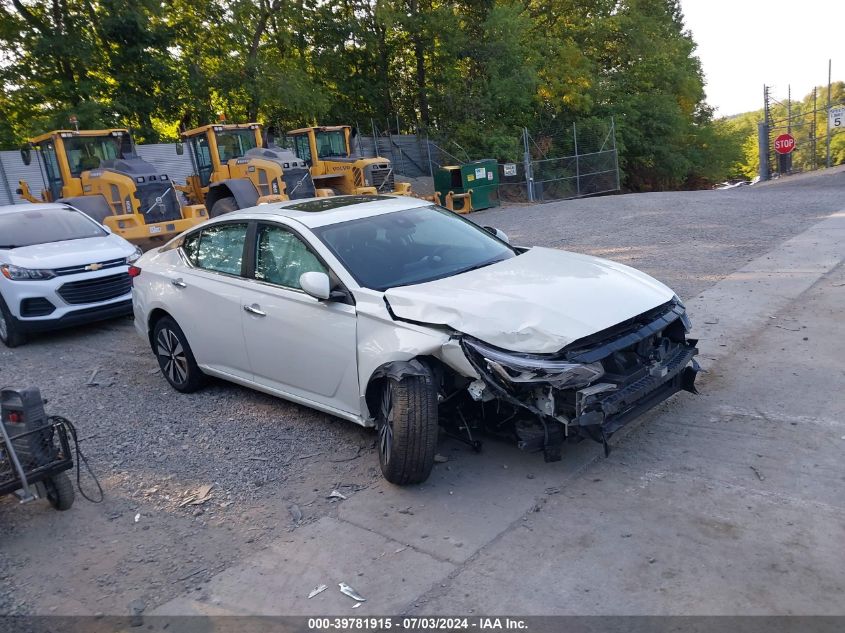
(26, 154)
(498, 233)
(180, 148)
(316, 284)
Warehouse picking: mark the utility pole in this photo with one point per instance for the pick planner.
(577, 165)
(785, 160)
(526, 158)
(813, 131)
(827, 114)
(763, 138)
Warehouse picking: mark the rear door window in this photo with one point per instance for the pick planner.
(218, 248)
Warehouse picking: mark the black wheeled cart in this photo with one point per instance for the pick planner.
(34, 451)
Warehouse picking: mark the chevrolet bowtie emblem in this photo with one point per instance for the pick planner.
(93, 267)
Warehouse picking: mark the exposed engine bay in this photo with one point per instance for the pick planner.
(589, 389)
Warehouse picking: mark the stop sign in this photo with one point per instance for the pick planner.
(784, 143)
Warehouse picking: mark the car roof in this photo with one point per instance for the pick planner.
(316, 212)
(29, 206)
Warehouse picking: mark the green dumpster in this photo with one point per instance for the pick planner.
(480, 176)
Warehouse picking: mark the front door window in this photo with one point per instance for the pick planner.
(51, 167)
(202, 154)
(281, 257)
(302, 147)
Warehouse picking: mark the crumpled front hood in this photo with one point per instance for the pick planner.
(537, 302)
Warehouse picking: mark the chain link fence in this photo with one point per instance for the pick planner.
(581, 160)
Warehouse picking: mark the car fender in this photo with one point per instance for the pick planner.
(241, 189)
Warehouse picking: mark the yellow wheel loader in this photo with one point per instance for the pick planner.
(328, 151)
(99, 173)
(236, 168)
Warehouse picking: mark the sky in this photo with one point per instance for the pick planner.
(743, 44)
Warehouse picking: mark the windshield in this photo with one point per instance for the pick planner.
(234, 143)
(331, 144)
(88, 152)
(411, 247)
(40, 226)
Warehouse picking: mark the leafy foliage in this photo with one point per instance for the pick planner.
(470, 73)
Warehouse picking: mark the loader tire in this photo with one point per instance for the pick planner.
(224, 205)
(407, 428)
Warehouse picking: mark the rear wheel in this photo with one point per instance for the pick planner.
(407, 427)
(59, 491)
(224, 205)
(10, 330)
(175, 357)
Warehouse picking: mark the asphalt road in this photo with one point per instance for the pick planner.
(270, 461)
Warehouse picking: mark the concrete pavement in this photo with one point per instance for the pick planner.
(729, 503)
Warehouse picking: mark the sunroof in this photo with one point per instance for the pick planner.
(327, 204)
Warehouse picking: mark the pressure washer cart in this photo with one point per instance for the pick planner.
(34, 450)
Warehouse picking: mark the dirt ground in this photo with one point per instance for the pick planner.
(273, 465)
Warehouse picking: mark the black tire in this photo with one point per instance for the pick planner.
(60, 492)
(224, 205)
(175, 357)
(10, 329)
(407, 427)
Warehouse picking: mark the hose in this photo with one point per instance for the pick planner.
(80, 458)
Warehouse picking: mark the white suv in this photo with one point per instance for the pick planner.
(59, 268)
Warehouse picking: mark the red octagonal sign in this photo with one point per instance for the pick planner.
(784, 143)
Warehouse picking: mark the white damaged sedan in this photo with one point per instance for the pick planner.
(400, 315)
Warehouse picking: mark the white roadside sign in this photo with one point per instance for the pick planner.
(837, 117)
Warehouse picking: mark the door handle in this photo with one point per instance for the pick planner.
(255, 309)
(179, 283)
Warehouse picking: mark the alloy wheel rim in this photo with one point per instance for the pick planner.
(171, 355)
(385, 444)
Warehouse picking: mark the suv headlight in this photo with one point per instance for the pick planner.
(531, 369)
(16, 273)
(134, 257)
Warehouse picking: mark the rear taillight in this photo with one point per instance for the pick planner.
(134, 271)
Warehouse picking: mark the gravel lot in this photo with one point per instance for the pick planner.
(273, 464)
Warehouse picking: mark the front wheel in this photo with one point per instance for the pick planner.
(175, 357)
(224, 205)
(407, 428)
(10, 330)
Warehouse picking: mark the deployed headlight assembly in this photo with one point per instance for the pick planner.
(525, 369)
(16, 273)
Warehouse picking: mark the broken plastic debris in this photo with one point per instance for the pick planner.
(440, 459)
(295, 513)
(357, 604)
(336, 494)
(137, 517)
(317, 590)
(349, 591)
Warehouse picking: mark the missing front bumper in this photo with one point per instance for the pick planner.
(600, 409)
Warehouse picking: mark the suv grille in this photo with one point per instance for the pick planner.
(96, 290)
(73, 270)
(149, 194)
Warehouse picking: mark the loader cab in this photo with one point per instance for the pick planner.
(213, 146)
(316, 144)
(66, 154)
